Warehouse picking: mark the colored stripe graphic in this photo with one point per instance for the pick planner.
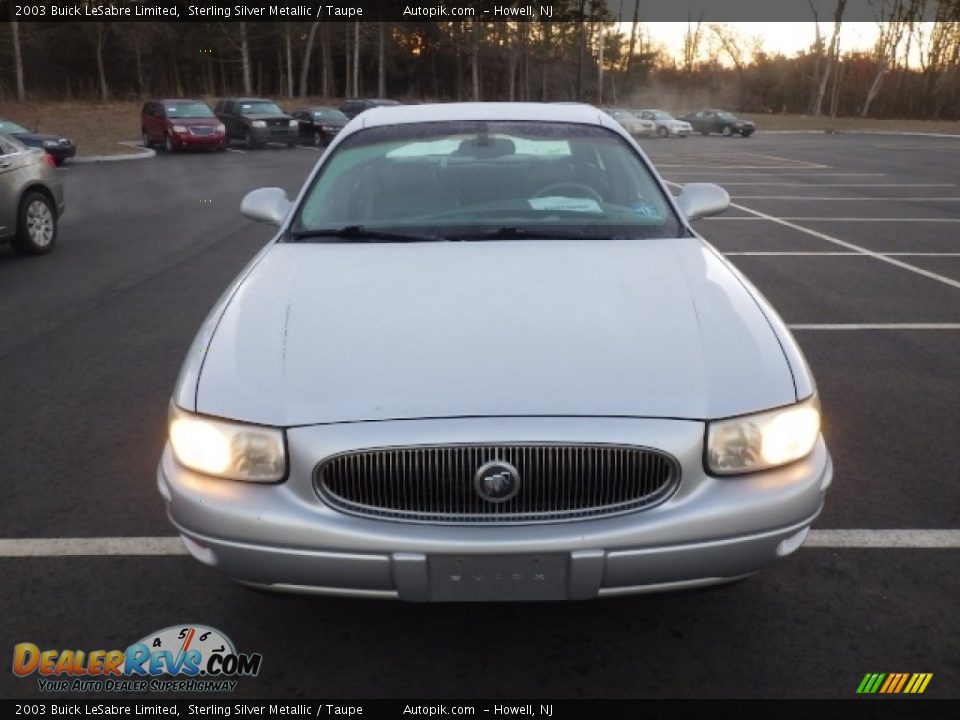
(894, 683)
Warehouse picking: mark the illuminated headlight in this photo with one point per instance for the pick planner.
(179, 128)
(293, 123)
(766, 440)
(221, 128)
(259, 123)
(227, 449)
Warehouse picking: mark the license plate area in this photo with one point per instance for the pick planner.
(466, 578)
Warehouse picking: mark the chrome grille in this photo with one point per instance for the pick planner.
(557, 482)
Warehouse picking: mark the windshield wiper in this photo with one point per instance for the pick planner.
(509, 232)
(359, 233)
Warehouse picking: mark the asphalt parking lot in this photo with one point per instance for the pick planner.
(855, 239)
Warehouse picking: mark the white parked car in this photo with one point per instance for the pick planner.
(632, 122)
(666, 124)
(487, 357)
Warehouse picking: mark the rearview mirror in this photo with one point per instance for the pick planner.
(697, 200)
(269, 205)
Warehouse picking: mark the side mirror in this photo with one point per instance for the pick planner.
(697, 200)
(269, 205)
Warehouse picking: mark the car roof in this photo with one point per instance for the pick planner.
(248, 99)
(508, 111)
(315, 108)
(177, 100)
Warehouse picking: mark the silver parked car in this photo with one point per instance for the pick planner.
(666, 123)
(31, 197)
(632, 122)
(487, 357)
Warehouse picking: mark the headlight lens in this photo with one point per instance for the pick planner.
(179, 128)
(227, 449)
(221, 128)
(757, 442)
(259, 123)
(293, 123)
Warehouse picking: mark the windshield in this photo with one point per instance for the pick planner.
(451, 179)
(260, 108)
(11, 128)
(334, 116)
(188, 110)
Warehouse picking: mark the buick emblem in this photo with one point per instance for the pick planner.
(497, 481)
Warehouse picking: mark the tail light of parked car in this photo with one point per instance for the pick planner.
(48, 159)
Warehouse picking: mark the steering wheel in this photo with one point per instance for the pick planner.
(568, 185)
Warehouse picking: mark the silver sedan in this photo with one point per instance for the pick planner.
(31, 198)
(487, 357)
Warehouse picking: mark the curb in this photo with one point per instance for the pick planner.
(907, 133)
(143, 154)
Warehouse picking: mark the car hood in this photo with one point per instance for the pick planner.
(267, 116)
(322, 333)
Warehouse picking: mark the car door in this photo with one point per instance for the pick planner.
(9, 187)
(305, 122)
(223, 111)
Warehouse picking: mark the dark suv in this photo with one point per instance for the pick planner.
(352, 108)
(257, 121)
(178, 124)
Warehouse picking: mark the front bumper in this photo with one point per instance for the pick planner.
(284, 134)
(284, 537)
(189, 140)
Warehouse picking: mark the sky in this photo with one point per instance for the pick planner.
(784, 37)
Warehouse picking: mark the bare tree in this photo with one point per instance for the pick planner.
(475, 60)
(18, 60)
(731, 44)
(691, 45)
(245, 60)
(833, 54)
(307, 52)
(97, 33)
(356, 59)
(600, 44)
(891, 34)
(289, 50)
(381, 70)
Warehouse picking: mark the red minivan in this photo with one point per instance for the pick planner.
(180, 124)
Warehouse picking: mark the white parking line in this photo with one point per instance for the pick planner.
(56, 547)
(875, 326)
(798, 218)
(782, 174)
(793, 198)
(822, 185)
(786, 222)
(883, 539)
(707, 168)
(817, 253)
(168, 546)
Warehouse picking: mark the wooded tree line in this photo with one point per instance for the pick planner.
(597, 60)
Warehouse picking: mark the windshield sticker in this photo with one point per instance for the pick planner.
(646, 210)
(566, 204)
